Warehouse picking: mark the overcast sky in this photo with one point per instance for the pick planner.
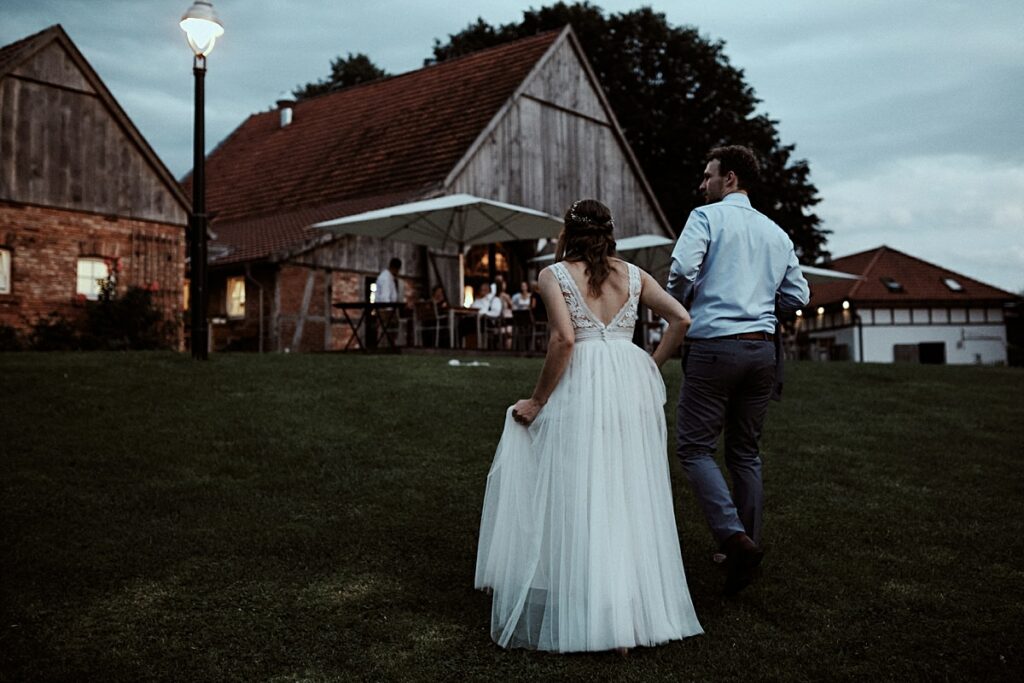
(910, 112)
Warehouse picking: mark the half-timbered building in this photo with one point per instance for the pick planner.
(904, 309)
(524, 123)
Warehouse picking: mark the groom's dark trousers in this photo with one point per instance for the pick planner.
(727, 384)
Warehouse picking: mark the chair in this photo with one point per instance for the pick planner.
(393, 326)
(426, 318)
(522, 330)
(494, 330)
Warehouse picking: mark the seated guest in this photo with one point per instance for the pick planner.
(487, 303)
(488, 311)
(523, 299)
(501, 290)
(433, 316)
(437, 296)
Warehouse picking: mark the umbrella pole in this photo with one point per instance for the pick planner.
(462, 275)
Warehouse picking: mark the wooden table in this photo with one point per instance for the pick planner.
(367, 313)
(454, 315)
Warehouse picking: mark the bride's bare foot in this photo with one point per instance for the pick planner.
(622, 652)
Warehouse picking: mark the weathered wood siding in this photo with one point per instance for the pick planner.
(363, 254)
(556, 144)
(370, 255)
(62, 146)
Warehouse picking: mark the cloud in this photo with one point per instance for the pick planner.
(908, 112)
(963, 212)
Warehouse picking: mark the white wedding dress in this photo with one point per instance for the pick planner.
(578, 538)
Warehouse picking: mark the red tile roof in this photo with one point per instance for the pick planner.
(398, 136)
(922, 282)
(258, 237)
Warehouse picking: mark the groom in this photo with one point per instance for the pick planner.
(732, 267)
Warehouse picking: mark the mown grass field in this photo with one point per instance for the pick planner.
(314, 518)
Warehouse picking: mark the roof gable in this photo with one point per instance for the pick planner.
(918, 281)
(45, 72)
(397, 135)
(556, 140)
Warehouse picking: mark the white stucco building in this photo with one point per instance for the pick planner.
(904, 309)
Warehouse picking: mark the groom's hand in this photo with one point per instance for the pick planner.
(525, 411)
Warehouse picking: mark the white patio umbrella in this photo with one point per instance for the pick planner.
(653, 253)
(815, 275)
(457, 220)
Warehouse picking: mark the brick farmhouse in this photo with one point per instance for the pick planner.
(81, 192)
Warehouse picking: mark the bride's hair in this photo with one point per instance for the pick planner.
(587, 237)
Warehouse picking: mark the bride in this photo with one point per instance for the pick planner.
(578, 542)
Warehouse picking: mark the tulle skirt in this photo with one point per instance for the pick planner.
(578, 539)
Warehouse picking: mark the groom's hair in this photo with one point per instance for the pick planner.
(738, 159)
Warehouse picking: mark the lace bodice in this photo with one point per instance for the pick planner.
(588, 325)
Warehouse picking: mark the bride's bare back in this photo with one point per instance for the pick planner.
(614, 291)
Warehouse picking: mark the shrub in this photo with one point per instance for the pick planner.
(10, 339)
(111, 323)
(128, 322)
(54, 333)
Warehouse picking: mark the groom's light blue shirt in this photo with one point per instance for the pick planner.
(731, 267)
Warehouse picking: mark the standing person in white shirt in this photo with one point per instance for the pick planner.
(388, 292)
(387, 283)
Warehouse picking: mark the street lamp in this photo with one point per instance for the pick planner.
(202, 27)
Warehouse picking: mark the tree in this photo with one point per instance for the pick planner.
(676, 95)
(345, 72)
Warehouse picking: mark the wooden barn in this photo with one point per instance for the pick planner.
(524, 123)
(81, 192)
(904, 309)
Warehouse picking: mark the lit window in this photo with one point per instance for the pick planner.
(236, 297)
(5, 271)
(373, 292)
(892, 285)
(187, 292)
(954, 286)
(91, 271)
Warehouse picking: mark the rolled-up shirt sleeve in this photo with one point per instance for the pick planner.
(688, 256)
(793, 291)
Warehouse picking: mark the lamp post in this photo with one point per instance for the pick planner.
(202, 27)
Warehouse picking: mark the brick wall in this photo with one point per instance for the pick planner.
(344, 286)
(281, 318)
(242, 334)
(46, 243)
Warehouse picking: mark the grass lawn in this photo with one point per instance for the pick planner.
(314, 517)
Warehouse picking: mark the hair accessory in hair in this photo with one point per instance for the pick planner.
(575, 217)
(584, 222)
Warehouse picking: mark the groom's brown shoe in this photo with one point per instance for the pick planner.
(742, 558)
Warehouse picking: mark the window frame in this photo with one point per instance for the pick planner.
(6, 270)
(95, 260)
(953, 285)
(230, 301)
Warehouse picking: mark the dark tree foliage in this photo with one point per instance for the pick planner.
(676, 96)
(348, 71)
